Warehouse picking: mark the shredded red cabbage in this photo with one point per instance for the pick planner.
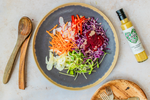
(92, 43)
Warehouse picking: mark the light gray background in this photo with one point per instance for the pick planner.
(38, 87)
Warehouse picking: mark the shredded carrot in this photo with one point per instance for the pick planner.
(48, 32)
(59, 44)
(53, 28)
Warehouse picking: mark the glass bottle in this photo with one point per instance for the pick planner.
(132, 37)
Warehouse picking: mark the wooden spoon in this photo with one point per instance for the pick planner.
(22, 63)
(24, 29)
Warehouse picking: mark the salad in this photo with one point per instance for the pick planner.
(78, 46)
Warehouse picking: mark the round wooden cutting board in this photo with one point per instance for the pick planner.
(122, 89)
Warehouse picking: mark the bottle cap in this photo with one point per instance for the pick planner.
(121, 14)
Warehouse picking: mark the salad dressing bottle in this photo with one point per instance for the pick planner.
(132, 37)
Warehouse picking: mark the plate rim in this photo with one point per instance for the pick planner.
(115, 39)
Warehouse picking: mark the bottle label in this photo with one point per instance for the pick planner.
(133, 40)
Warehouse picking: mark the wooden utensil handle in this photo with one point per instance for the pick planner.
(22, 63)
(10, 62)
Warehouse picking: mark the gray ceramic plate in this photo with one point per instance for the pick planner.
(41, 49)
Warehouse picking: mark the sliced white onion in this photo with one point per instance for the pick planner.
(49, 66)
(60, 67)
(61, 21)
(46, 61)
(54, 31)
(50, 62)
(58, 29)
(69, 24)
(61, 60)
